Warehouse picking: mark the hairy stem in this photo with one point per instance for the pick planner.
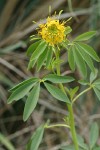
(70, 109)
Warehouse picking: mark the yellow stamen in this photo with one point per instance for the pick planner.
(53, 32)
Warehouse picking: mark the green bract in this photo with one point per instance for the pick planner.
(68, 30)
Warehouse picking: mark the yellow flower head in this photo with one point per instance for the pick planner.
(53, 32)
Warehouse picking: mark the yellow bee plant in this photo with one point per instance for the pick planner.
(45, 52)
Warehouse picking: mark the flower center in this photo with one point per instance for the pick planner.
(53, 32)
(52, 29)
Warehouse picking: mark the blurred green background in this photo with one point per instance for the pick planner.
(16, 26)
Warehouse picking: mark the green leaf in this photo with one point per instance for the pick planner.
(58, 79)
(85, 36)
(32, 47)
(49, 56)
(34, 37)
(83, 82)
(97, 84)
(39, 50)
(69, 147)
(89, 50)
(56, 93)
(41, 59)
(94, 133)
(81, 142)
(31, 64)
(65, 43)
(93, 75)
(71, 58)
(68, 30)
(86, 58)
(6, 142)
(96, 148)
(36, 139)
(21, 91)
(30, 80)
(31, 101)
(97, 92)
(72, 92)
(80, 62)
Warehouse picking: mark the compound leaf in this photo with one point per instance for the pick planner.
(56, 93)
(85, 36)
(31, 101)
(58, 79)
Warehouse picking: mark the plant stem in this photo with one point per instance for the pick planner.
(57, 125)
(70, 109)
(82, 93)
(72, 126)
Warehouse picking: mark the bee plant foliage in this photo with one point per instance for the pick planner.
(45, 52)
